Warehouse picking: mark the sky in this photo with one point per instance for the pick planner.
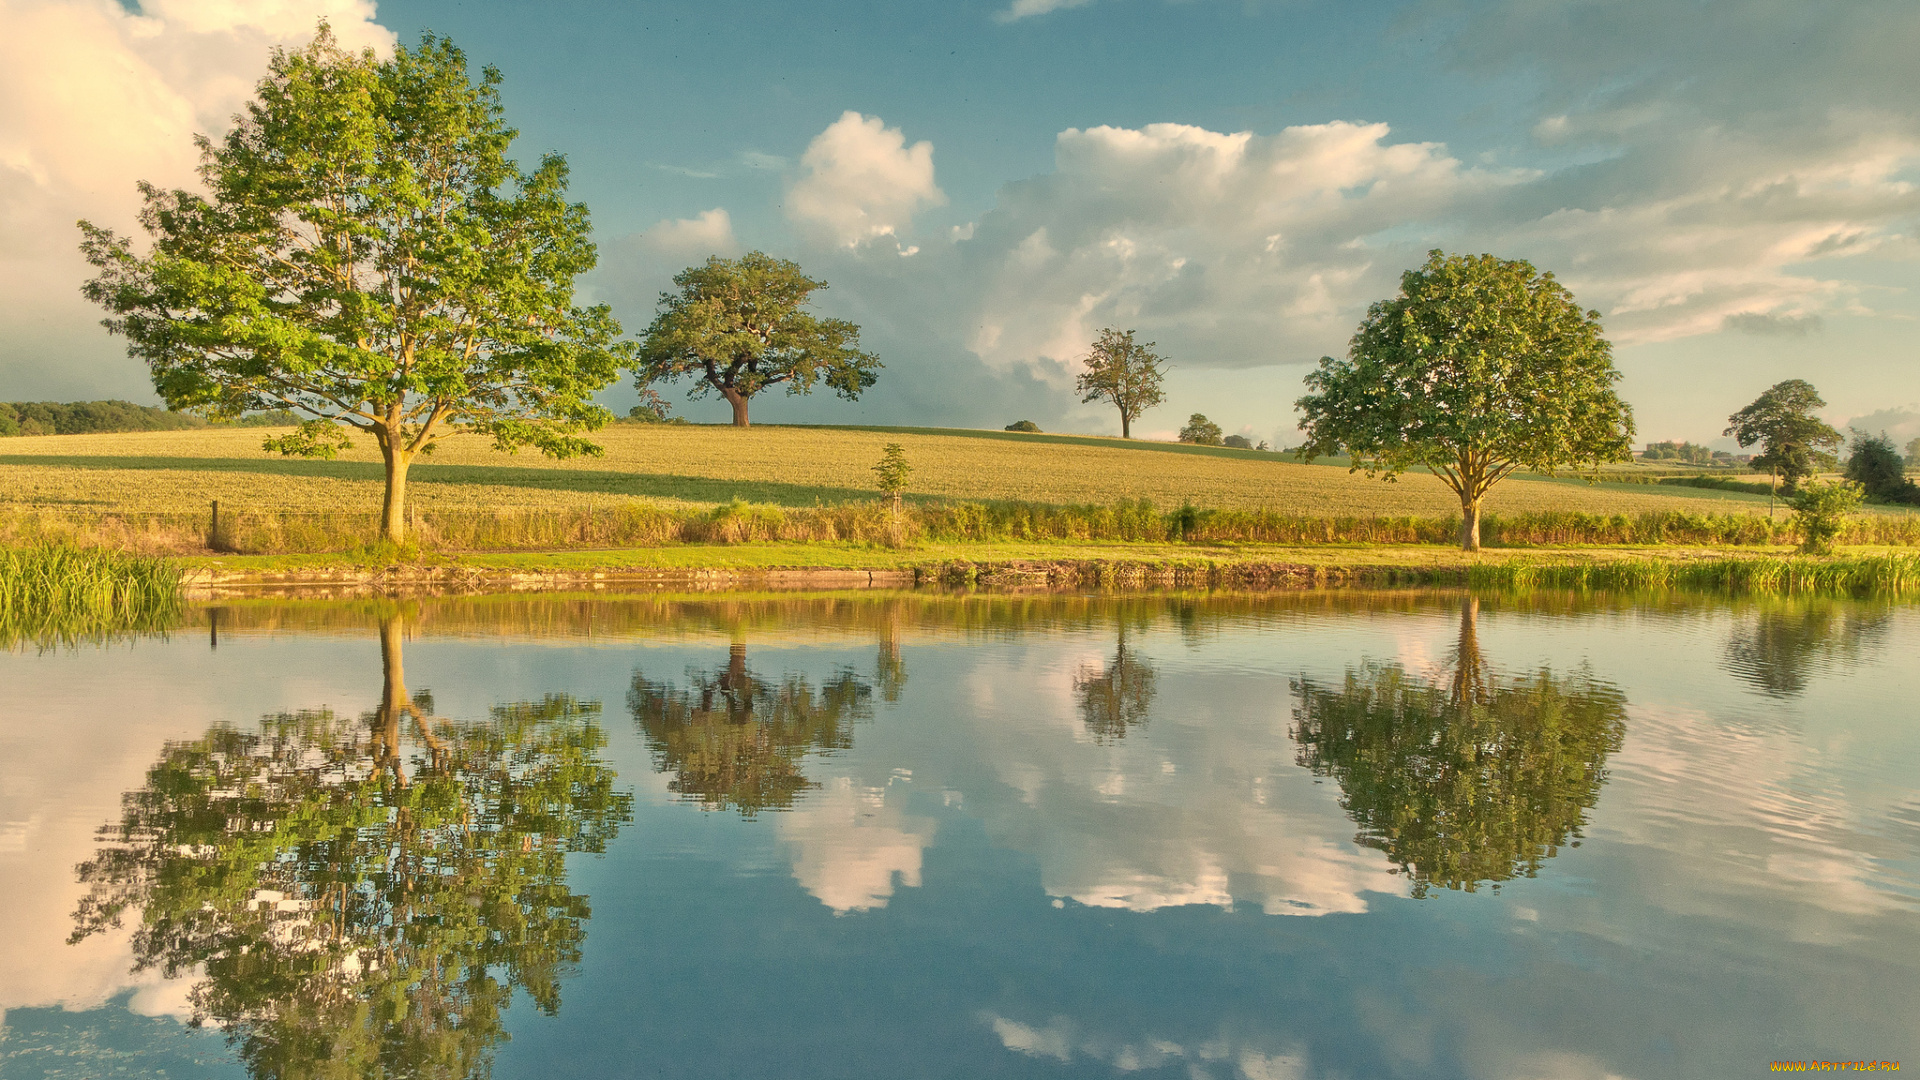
(1733, 184)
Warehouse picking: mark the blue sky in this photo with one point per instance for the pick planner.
(1731, 182)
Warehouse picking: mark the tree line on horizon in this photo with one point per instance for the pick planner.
(369, 259)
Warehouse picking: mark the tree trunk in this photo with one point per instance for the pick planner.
(1469, 523)
(393, 511)
(739, 402)
(1126, 425)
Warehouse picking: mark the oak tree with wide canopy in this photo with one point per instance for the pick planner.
(1794, 442)
(1480, 367)
(738, 327)
(367, 255)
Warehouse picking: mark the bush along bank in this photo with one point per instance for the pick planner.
(635, 523)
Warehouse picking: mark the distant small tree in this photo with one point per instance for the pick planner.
(1820, 513)
(1201, 431)
(893, 472)
(1024, 425)
(1913, 451)
(1127, 374)
(1478, 368)
(738, 327)
(1794, 442)
(368, 256)
(1875, 465)
(1238, 442)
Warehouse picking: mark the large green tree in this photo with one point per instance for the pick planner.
(360, 897)
(1479, 367)
(368, 256)
(1126, 373)
(1794, 443)
(739, 326)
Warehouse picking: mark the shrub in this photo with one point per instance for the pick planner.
(1238, 442)
(1875, 465)
(1024, 425)
(1820, 512)
(1200, 431)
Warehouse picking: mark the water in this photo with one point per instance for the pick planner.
(1296, 835)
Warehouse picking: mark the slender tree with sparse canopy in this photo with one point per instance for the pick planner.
(1794, 443)
(738, 327)
(1481, 366)
(1123, 372)
(368, 256)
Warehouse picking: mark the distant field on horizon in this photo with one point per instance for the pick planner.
(780, 465)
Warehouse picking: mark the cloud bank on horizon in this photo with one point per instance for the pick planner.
(1736, 190)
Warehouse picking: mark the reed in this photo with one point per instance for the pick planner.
(1879, 575)
(631, 523)
(60, 594)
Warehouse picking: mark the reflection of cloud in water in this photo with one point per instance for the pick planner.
(1061, 1040)
(852, 845)
(1733, 812)
(1209, 807)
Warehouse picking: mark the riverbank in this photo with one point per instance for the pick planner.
(1047, 566)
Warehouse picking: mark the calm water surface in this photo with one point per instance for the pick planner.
(898, 835)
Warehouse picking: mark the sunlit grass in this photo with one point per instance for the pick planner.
(779, 466)
(53, 594)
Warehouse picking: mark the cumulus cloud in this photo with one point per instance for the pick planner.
(94, 98)
(860, 180)
(852, 846)
(707, 233)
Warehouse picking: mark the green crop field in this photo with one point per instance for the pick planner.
(782, 466)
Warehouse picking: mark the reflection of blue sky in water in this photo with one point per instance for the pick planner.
(980, 885)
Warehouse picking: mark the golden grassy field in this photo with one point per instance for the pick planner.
(180, 471)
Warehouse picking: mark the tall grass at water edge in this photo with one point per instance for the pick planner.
(1877, 575)
(635, 523)
(55, 593)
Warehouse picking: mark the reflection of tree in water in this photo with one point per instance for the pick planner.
(889, 670)
(1781, 646)
(1479, 779)
(734, 739)
(359, 908)
(1117, 697)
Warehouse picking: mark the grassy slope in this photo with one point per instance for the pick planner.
(788, 466)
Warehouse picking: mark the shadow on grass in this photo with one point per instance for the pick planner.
(699, 489)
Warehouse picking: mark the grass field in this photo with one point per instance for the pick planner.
(182, 471)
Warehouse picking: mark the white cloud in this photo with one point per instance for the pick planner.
(708, 233)
(94, 98)
(860, 180)
(1024, 9)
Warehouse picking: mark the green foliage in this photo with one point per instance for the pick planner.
(1238, 442)
(737, 326)
(369, 257)
(653, 409)
(1875, 575)
(893, 470)
(1479, 779)
(1820, 513)
(1125, 373)
(1687, 452)
(1478, 368)
(88, 417)
(1875, 465)
(53, 593)
(1794, 442)
(1201, 431)
(1024, 425)
(733, 739)
(355, 906)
